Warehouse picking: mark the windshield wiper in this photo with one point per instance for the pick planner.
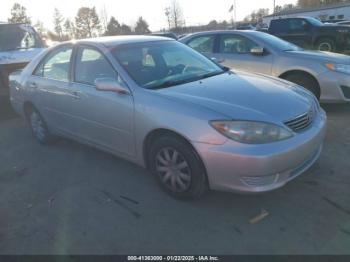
(171, 83)
(211, 74)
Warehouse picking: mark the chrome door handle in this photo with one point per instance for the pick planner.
(76, 95)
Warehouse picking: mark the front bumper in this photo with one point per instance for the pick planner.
(243, 168)
(335, 87)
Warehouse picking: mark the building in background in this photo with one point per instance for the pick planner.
(325, 13)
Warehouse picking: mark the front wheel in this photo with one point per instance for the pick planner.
(305, 81)
(177, 168)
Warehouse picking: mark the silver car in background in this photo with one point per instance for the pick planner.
(164, 106)
(326, 75)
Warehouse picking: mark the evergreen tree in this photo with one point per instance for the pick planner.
(87, 23)
(141, 27)
(19, 14)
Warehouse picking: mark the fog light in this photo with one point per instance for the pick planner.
(257, 181)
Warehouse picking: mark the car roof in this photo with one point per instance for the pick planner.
(112, 41)
(246, 32)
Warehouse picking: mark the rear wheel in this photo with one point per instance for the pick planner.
(4, 82)
(305, 81)
(177, 168)
(326, 44)
(38, 127)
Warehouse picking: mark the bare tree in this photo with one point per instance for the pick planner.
(69, 29)
(168, 17)
(39, 27)
(104, 18)
(174, 14)
(57, 21)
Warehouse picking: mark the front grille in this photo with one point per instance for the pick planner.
(301, 122)
(346, 91)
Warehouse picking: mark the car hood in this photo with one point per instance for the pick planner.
(19, 56)
(244, 96)
(322, 56)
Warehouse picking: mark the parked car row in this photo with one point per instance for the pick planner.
(195, 124)
(326, 75)
(310, 33)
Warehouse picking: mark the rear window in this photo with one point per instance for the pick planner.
(16, 37)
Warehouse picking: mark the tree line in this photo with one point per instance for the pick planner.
(86, 24)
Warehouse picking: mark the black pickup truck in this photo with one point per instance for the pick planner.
(310, 33)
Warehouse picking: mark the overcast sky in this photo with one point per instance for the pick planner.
(127, 11)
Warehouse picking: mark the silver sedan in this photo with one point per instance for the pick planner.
(327, 75)
(156, 102)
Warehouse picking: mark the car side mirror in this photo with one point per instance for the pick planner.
(258, 51)
(110, 84)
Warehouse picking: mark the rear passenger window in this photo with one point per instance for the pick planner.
(56, 65)
(279, 26)
(203, 44)
(90, 65)
(297, 24)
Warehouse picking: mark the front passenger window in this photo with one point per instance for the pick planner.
(90, 65)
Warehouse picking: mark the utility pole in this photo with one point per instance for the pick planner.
(235, 3)
(274, 8)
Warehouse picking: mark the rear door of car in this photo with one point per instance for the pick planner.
(205, 44)
(234, 51)
(50, 89)
(299, 32)
(104, 118)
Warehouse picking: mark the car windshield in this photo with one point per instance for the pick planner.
(314, 21)
(164, 64)
(278, 43)
(15, 36)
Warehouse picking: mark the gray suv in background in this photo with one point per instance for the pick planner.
(19, 44)
(326, 75)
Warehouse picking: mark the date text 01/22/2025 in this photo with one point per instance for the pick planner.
(173, 258)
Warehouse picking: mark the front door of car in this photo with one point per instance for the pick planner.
(104, 118)
(51, 86)
(234, 51)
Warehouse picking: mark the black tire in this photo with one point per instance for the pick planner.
(4, 82)
(39, 127)
(193, 177)
(305, 81)
(326, 44)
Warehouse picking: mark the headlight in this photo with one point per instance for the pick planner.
(251, 132)
(339, 68)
